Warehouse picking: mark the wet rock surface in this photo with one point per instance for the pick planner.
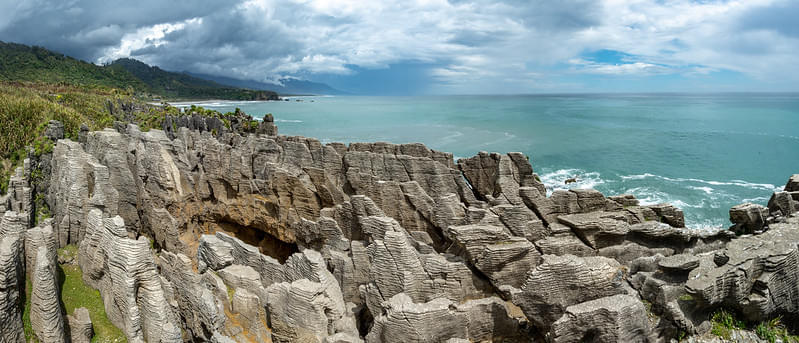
(204, 233)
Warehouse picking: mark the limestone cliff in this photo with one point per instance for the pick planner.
(198, 234)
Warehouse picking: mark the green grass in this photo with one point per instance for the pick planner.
(724, 322)
(774, 329)
(75, 293)
(230, 293)
(26, 314)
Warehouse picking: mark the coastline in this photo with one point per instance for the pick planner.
(270, 217)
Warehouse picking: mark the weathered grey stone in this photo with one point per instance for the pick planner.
(782, 202)
(498, 177)
(40, 236)
(124, 271)
(214, 253)
(597, 229)
(302, 311)
(793, 184)
(618, 318)
(12, 287)
(624, 200)
(748, 218)
(45, 313)
(198, 305)
(760, 278)
(406, 321)
(502, 258)
(681, 263)
(237, 276)
(80, 325)
(54, 130)
(669, 214)
(561, 281)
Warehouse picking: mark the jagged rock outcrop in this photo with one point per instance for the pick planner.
(124, 271)
(793, 184)
(80, 325)
(748, 218)
(45, 314)
(756, 275)
(479, 320)
(504, 259)
(213, 232)
(201, 311)
(12, 283)
(618, 318)
(562, 281)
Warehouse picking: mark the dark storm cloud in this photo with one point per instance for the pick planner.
(84, 28)
(463, 45)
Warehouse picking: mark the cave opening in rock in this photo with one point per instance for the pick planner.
(268, 244)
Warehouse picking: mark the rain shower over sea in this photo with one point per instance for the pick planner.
(702, 153)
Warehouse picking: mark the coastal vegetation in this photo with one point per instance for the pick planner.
(724, 322)
(22, 63)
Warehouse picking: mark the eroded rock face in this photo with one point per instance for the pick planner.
(562, 281)
(474, 321)
(759, 275)
(124, 271)
(46, 319)
(618, 318)
(264, 238)
(80, 325)
(12, 286)
(748, 218)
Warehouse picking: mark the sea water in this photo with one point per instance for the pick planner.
(702, 153)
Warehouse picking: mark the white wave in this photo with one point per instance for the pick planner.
(556, 180)
(707, 226)
(755, 200)
(737, 183)
(707, 190)
(648, 196)
(452, 137)
(507, 136)
(288, 121)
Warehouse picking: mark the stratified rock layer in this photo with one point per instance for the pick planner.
(204, 232)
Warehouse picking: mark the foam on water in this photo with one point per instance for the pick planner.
(739, 183)
(556, 180)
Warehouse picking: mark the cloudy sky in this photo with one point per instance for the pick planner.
(436, 46)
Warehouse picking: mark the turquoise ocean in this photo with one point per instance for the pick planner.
(702, 153)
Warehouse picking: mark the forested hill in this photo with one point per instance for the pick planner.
(179, 85)
(36, 64)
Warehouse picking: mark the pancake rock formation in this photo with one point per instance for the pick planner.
(196, 233)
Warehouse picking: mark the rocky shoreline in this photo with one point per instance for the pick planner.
(201, 233)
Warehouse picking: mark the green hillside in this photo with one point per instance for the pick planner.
(35, 64)
(22, 63)
(179, 85)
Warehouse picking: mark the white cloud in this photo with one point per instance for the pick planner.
(471, 45)
(152, 36)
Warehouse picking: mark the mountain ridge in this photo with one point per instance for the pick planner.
(290, 86)
(23, 63)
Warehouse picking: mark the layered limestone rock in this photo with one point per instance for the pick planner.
(12, 284)
(618, 318)
(474, 321)
(260, 237)
(45, 314)
(80, 325)
(124, 271)
(562, 281)
(748, 218)
(756, 275)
